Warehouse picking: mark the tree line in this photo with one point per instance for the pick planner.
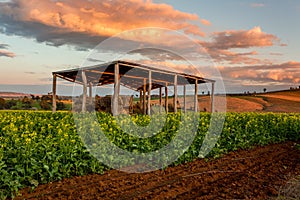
(32, 103)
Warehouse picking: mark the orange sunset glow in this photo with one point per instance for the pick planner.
(256, 51)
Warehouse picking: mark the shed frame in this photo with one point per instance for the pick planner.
(145, 79)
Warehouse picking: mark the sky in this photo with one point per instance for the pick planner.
(252, 44)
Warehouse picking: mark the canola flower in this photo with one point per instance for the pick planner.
(38, 147)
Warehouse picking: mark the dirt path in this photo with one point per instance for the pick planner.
(245, 174)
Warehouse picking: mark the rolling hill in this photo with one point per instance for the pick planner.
(280, 101)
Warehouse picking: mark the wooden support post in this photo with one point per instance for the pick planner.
(166, 98)
(160, 99)
(196, 96)
(84, 80)
(184, 98)
(212, 97)
(144, 96)
(54, 94)
(149, 93)
(91, 93)
(141, 99)
(175, 94)
(115, 106)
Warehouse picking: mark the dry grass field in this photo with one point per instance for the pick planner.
(281, 101)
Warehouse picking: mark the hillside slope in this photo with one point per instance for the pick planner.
(281, 101)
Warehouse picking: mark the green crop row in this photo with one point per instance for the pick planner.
(40, 147)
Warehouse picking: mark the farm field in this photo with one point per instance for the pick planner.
(280, 101)
(257, 173)
(39, 148)
(149, 99)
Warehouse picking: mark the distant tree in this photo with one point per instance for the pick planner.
(27, 102)
(45, 105)
(10, 103)
(46, 97)
(19, 105)
(2, 103)
(46, 101)
(60, 106)
(265, 90)
(203, 92)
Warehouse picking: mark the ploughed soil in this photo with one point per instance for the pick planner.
(257, 173)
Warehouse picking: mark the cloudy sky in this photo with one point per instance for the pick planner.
(254, 44)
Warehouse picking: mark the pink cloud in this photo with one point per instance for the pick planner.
(5, 53)
(86, 23)
(287, 72)
(233, 57)
(194, 30)
(205, 22)
(241, 39)
(222, 44)
(66, 21)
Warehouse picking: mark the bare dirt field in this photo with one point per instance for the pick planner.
(259, 173)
